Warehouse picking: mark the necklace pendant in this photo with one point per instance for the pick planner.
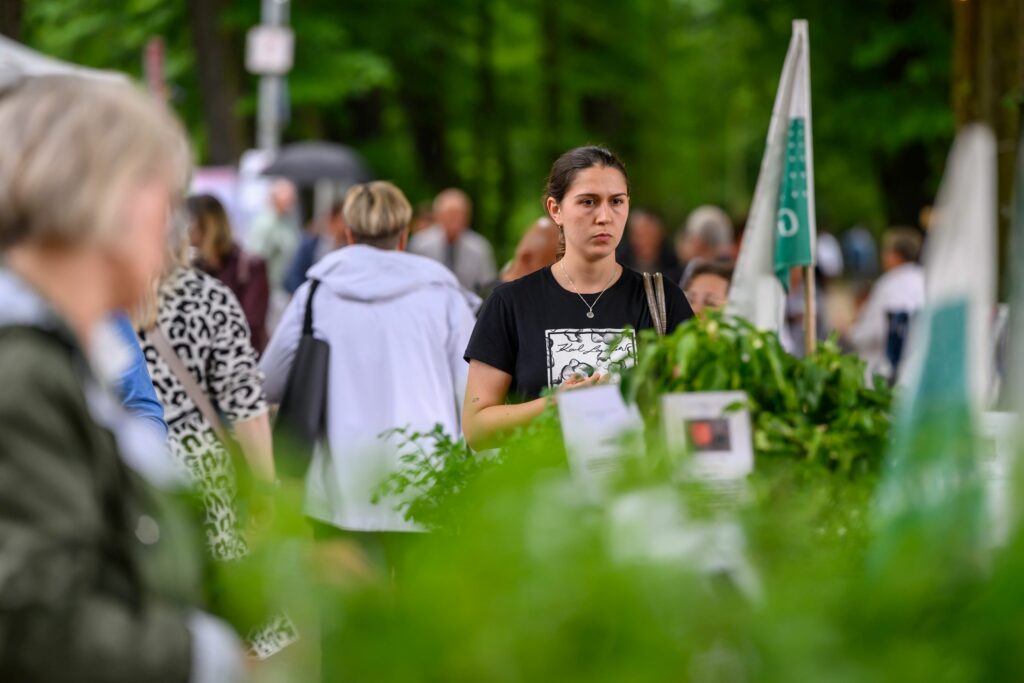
(590, 314)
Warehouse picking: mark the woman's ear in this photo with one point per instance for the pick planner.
(346, 234)
(554, 210)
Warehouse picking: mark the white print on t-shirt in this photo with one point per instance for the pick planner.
(581, 351)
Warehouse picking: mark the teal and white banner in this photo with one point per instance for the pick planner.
(930, 503)
(781, 227)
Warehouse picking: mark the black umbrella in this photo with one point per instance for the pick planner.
(304, 163)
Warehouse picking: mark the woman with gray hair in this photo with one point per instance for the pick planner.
(89, 177)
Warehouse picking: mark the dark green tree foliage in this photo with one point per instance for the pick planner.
(485, 93)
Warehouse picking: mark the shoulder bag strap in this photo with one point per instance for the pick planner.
(188, 382)
(652, 304)
(307, 324)
(659, 297)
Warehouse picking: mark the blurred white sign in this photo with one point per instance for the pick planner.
(596, 426)
(717, 437)
(269, 50)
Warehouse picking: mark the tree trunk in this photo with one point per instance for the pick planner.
(218, 81)
(988, 87)
(550, 68)
(11, 12)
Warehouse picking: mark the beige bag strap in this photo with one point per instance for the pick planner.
(654, 287)
(188, 382)
(659, 295)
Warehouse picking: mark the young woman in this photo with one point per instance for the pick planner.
(555, 328)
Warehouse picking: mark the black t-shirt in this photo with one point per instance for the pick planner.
(539, 333)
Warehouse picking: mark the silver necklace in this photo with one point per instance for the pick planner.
(590, 307)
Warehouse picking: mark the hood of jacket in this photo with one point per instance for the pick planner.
(367, 274)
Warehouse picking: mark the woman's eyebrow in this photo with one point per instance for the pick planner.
(598, 194)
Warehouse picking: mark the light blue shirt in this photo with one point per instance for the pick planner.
(135, 387)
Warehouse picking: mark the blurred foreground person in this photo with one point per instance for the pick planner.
(396, 324)
(450, 241)
(87, 181)
(706, 284)
(880, 331)
(219, 256)
(707, 234)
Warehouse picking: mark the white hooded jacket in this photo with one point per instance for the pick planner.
(398, 325)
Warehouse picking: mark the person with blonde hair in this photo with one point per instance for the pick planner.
(220, 256)
(89, 180)
(396, 324)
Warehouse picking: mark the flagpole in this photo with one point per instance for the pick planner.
(810, 312)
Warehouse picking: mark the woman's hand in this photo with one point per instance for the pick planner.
(579, 381)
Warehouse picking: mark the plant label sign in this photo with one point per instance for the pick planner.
(597, 427)
(713, 428)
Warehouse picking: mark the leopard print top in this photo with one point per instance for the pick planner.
(205, 324)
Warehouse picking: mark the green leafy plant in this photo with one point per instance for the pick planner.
(817, 408)
(435, 469)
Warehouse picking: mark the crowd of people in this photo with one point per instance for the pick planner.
(139, 336)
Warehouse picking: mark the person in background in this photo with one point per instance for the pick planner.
(451, 242)
(538, 248)
(219, 256)
(645, 249)
(706, 284)
(879, 331)
(206, 328)
(422, 217)
(315, 246)
(707, 234)
(274, 235)
(396, 324)
(88, 180)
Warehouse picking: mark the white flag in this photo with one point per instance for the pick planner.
(960, 269)
(781, 228)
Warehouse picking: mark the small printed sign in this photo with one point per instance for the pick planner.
(269, 50)
(713, 428)
(597, 427)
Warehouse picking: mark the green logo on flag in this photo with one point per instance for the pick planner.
(793, 231)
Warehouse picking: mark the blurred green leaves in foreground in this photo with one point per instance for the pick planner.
(525, 578)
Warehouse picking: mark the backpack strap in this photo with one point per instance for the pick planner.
(654, 288)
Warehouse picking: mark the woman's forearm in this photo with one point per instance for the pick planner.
(254, 438)
(483, 427)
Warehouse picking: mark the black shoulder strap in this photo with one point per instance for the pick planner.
(307, 325)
